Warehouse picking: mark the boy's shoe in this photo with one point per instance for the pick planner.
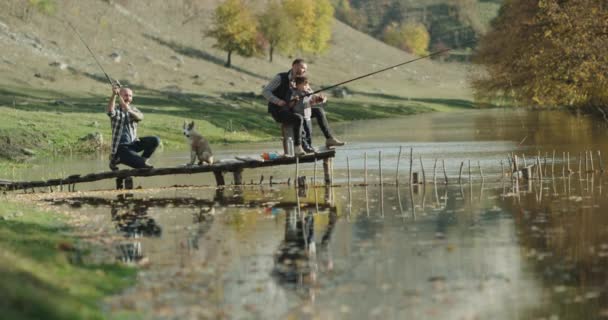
(333, 142)
(299, 151)
(309, 149)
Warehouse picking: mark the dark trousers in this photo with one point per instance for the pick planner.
(288, 117)
(319, 114)
(307, 134)
(128, 153)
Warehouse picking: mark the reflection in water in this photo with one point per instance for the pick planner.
(133, 222)
(297, 261)
(488, 251)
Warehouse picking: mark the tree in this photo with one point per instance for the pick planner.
(235, 29)
(547, 53)
(313, 21)
(324, 19)
(411, 37)
(276, 27)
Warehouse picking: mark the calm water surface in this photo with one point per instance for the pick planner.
(483, 249)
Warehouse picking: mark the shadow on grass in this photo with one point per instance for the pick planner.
(200, 54)
(241, 110)
(45, 282)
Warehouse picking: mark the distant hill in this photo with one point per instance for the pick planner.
(148, 45)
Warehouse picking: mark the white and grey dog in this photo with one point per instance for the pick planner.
(199, 146)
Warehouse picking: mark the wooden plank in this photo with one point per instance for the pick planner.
(224, 166)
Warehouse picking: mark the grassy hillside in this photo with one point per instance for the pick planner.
(53, 91)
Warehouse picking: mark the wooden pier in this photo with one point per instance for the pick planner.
(235, 166)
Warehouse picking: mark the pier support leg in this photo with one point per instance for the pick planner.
(129, 183)
(327, 171)
(119, 184)
(238, 177)
(219, 178)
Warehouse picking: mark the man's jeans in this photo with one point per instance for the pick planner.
(128, 153)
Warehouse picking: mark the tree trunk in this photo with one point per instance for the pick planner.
(271, 52)
(229, 60)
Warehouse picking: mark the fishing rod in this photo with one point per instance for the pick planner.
(112, 83)
(378, 71)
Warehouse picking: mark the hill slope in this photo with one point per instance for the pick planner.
(177, 74)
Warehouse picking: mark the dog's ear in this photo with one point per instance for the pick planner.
(191, 125)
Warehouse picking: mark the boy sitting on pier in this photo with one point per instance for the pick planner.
(301, 103)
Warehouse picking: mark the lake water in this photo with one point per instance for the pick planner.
(485, 248)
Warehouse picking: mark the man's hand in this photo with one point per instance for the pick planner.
(115, 91)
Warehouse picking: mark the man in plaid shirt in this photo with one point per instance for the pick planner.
(125, 144)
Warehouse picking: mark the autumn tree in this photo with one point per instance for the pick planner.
(276, 27)
(411, 37)
(547, 53)
(235, 29)
(313, 21)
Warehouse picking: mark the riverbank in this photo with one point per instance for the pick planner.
(47, 271)
(42, 123)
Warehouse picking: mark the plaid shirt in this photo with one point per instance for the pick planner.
(123, 120)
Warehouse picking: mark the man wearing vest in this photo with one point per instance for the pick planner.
(278, 91)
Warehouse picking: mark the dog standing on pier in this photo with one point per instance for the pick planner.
(199, 146)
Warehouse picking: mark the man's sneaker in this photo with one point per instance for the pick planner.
(299, 151)
(114, 165)
(333, 142)
(147, 164)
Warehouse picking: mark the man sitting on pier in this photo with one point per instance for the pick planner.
(278, 92)
(125, 144)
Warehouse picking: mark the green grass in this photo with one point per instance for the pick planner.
(42, 281)
(48, 123)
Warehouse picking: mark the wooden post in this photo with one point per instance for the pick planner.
(270, 181)
(261, 179)
(502, 169)
(568, 162)
(563, 164)
(119, 184)
(553, 163)
(365, 168)
(348, 171)
(422, 168)
(460, 172)
(415, 178)
(480, 171)
(445, 174)
(515, 166)
(601, 164)
(469, 171)
(591, 160)
(314, 174)
(219, 178)
(435, 172)
(380, 165)
(398, 160)
(586, 161)
(129, 183)
(580, 162)
(326, 171)
(238, 176)
(297, 172)
(411, 163)
(540, 170)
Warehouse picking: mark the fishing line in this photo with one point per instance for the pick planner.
(112, 83)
